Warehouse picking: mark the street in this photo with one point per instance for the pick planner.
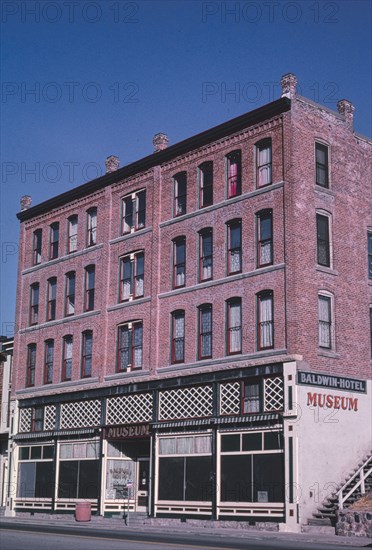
(35, 537)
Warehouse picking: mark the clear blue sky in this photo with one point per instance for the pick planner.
(85, 79)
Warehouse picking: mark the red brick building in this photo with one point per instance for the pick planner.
(173, 315)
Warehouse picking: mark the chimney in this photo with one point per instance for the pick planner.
(112, 164)
(160, 142)
(289, 85)
(25, 202)
(347, 109)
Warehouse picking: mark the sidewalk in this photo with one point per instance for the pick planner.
(113, 524)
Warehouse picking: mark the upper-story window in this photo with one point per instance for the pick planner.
(87, 354)
(48, 361)
(325, 320)
(37, 425)
(234, 174)
(234, 326)
(72, 227)
(370, 255)
(265, 320)
(205, 331)
(264, 238)
(180, 193)
(132, 276)
(34, 304)
(134, 212)
(179, 262)
(31, 365)
(54, 241)
(130, 353)
(92, 226)
(206, 184)
(206, 254)
(37, 245)
(52, 299)
(178, 336)
(251, 397)
(90, 276)
(234, 247)
(70, 293)
(321, 165)
(67, 358)
(264, 162)
(323, 240)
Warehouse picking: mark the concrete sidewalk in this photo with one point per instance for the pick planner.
(118, 525)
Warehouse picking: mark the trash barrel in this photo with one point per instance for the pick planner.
(83, 511)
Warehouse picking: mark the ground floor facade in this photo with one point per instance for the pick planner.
(230, 444)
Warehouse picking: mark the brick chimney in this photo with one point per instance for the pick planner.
(25, 202)
(289, 85)
(347, 109)
(160, 142)
(112, 164)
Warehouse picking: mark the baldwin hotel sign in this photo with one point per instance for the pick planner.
(331, 382)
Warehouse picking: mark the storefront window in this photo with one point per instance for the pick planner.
(79, 470)
(123, 466)
(35, 472)
(188, 477)
(256, 474)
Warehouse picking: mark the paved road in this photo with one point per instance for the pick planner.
(36, 537)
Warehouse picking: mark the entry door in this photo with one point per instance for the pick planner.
(143, 472)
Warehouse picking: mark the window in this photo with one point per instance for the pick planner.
(37, 422)
(67, 358)
(180, 187)
(35, 469)
(90, 275)
(134, 212)
(206, 184)
(325, 321)
(87, 354)
(234, 252)
(251, 398)
(37, 244)
(72, 234)
(79, 470)
(323, 241)
(265, 320)
(234, 326)
(34, 304)
(132, 276)
(54, 241)
(185, 468)
(206, 254)
(48, 361)
(263, 162)
(51, 299)
(70, 293)
(234, 174)
(130, 347)
(179, 262)
(321, 165)
(92, 227)
(264, 238)
(31, 364)
(205, 331)
(178, 336)
(370, 255)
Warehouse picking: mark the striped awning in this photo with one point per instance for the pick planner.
(44, 435)
(247, 419)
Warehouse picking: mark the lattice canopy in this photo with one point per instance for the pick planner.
(230, 398)
(80, 414)
(274, 394)
(186, 403)
(129, 408)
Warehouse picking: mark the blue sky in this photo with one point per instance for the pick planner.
(82, 80)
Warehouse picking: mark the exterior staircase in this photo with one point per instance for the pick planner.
(357, 484)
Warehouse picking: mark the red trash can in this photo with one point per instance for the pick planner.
(83, 511)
